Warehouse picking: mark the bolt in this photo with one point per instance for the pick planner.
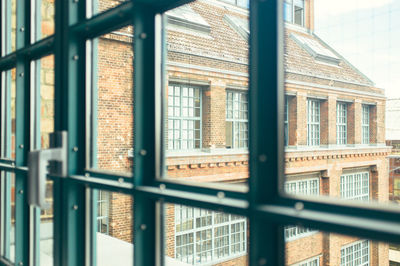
(87, 175)
(162, 186)
(143, 152)
(12, 164)
(143, 35)
(262, 261)
(143, 227)
(76, 1)
(22, 29)
(75, 149)
(75, 207)
(120, 180)
(20, 263)
(21, 146)
(262, 158)
(75, 57)
(21, 191)
(299, 206)
(21, 74)
(221, 195)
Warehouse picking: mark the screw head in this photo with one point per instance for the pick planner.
(143, 227)
(21, 74)
(75, 207)
(262, 261)
(162, 186)
(143, 152)
(21, 191)
(21, 146)
(22, 29)
(120, 180)
(221, 195)
(299, 206)
(262, 158)
(87, 175)
(75, 57)
(143, 35)
(75, 149)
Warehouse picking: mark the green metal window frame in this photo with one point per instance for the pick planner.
(267, 209)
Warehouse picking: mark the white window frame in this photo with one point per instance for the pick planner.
(176, 106)
(313, 122)
(208, 224)
(103, 218)
(365, 119)
(341, 123)
(314, 261)
(309, 186)
(355, 186)
(292, 6)
(240, 122)
(348, 253)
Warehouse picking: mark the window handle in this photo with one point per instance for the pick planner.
(42, 162)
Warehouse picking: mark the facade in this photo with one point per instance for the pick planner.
(334, 131)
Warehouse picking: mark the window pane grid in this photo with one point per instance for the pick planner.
(300, 187)
(365, 124)
(286, 122)
(215, 236)
(184, 117)
(341, 123)
(237, 115)
(355, 186)
(313, 122)
(355, 254)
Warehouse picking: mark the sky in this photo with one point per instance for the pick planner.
(367, 34)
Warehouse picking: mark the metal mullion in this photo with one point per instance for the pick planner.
(146, 248)
(266, 147)
(69, 196)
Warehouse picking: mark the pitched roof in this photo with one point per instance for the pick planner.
(305, 54)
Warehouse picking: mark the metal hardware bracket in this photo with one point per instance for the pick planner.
(41, 162)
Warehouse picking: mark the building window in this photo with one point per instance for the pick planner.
(103, 204)
(184, 117)
(203, 236)
(300, 187)
(355, 186)
(237, 123)
(310, 262)
(365, 124)
(341, 123)
(313, 122)
(355, 254)
(294, 11)
(286, 122)
(240, 3)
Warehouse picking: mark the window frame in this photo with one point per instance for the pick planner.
(239, 121)
(267, 207)
(292, 5)
(341, 123)
(313, 122)
(365, 123)
(353, 244)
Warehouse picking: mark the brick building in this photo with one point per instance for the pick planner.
(334, 130)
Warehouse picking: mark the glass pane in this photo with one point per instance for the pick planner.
(196, 236)
(324, 248)
(114, 234)
(44, 69)
(8, 215)
(337, 78)
(45, 21)
(10, 26)
(112, 102)
(104, 5)
(8, 88)
(207, 87)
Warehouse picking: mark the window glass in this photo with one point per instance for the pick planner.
(44, 18)
(198, 236)
(113, 240)
(8, 195)
(110, 88)
(8, 88)
(99, 6)
(341, 116)
(206, 130)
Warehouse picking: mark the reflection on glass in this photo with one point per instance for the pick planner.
(206, 92)
(8, 215)
(198, 236)
(45, 68)
(114, 237)
(47, 17)
(325, 248)
(112, 102)
(104, 5)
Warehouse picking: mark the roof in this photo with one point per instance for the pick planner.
(227, 40)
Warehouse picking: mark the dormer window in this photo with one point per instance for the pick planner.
(294, 11)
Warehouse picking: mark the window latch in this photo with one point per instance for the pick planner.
(42, 162)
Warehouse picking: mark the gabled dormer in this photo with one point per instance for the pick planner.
(299, 13)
